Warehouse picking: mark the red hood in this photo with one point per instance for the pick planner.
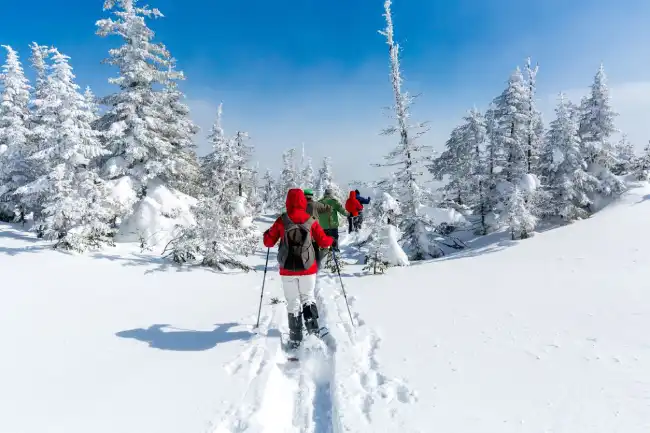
(353, 195)
(296, 200)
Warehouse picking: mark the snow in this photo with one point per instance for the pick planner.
(156, 216)
(542, 335)
(394, 254)
(440, 215)
(529, 183)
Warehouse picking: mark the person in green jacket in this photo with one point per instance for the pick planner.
(330, 220)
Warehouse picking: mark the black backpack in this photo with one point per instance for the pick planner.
(296, 251)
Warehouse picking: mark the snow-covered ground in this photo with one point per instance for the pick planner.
(544, 335)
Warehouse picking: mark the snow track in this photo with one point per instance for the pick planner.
(335, 387)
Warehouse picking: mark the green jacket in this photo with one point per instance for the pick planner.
(330, 220)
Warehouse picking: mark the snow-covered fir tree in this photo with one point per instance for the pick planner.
(641, 167)
(462, 161)
(511, 116)
(142, 145)
(224, 228)
(91, 101)
(75, 201)
(519, 218)
(269, 192)
(289, 176)
(534, 123)
(307, 176)
(179, 130)
(325, 180)
(564, 167)
(216, 240)
(243, 153)
(383, 247)
(14, 135)
(407, 158)
(625, 156)
(596, 130)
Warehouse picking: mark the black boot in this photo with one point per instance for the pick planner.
(295, 330)
(310, 312)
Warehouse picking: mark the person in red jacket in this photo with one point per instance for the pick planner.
(297, 231)
(353, 206)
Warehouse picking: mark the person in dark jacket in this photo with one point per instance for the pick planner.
(364, 201)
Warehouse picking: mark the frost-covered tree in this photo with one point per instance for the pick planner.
(625, 156)
(325, 180)
(75, 201)
(596, 130)
(564, 167)
(176, 127)
(91, 101)
(520, 219)
(383, 247)
(511, 117)
(243, 154)
(289, 177)
(407, 158)
(216, 240)
(135, 125)
(269, 191)
(307, 176)
(14, 134)
(641, 166)
(534, 123)
(219, 167)
(462, 160)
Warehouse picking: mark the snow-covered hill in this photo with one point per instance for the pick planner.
(543, 335)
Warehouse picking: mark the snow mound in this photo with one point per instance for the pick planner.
(529, 183)
(440, 215)
(394, 253)
(156, 217)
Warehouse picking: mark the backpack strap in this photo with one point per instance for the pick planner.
(309, 223)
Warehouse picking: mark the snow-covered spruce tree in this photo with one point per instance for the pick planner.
(179, 130)
(534, 123)
(243, 154)
(307, 176)
(269, 192)
(383, 247)
(625, 156)
(325, 180)
(595, 130)
(462, 161)
(520, 219)
(222, 230)
(641, 167)
(564, 167)
(418, 237)
(134, 126)
(511, 115)
(289, 177)
(91, 101)
(75, 201)
(14, 136)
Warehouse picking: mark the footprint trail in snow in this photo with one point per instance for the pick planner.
(334, 388)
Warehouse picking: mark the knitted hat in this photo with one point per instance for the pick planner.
(308, 192)
(328, 191)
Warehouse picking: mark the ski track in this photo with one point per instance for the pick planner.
(338, 388)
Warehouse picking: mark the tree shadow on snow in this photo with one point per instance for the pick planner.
(166, 337)
(643, 199)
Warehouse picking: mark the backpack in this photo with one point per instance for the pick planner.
(296, 251)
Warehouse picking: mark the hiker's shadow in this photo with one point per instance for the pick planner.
(166, 337)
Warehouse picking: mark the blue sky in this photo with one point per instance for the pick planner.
(316, 73)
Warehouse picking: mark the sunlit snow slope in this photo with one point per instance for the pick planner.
(543, 335)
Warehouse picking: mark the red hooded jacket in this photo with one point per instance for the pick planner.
(353, 206)
(297, 212)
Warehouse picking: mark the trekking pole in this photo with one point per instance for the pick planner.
(266, 266)
(338, 270)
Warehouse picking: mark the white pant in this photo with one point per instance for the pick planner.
(298, 291)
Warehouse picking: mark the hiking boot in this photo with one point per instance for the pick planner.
(295, 330)
(310, 313)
